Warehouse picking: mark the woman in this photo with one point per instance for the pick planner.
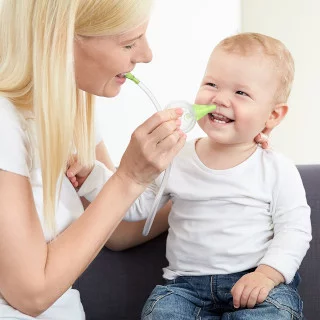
(54, 56)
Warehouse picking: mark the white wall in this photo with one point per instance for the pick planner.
(297, 24)
(182, 34)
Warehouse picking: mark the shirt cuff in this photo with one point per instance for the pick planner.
(95, 181)
(288, 271)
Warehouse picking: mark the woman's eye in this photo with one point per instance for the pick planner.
(241, 93)
(130, 46)
(211, 84)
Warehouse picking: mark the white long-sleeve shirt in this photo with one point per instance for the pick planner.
(226, 221)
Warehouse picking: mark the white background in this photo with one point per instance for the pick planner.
(297, 24)
(182, 34)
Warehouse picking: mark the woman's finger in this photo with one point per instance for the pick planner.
(169, 142)
(164, 130)
(158, 118)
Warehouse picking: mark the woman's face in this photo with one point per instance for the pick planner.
(101, 62)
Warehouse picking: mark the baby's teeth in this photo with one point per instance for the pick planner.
(219, 121)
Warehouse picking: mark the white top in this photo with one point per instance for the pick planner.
(18, 154)
(226, 221)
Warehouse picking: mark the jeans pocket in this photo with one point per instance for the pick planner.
(285, 297)
(158, 293)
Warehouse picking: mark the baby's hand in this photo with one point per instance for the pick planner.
(251, 289)
(263, 138)
(76, 173)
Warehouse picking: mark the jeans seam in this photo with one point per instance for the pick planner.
(150, 309)
(197, 315)
(283, 307)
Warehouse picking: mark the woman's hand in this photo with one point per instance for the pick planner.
(152, 147)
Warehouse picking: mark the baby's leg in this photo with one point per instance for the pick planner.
(177, 301)
(282, 303)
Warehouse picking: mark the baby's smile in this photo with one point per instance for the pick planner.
(219, 118)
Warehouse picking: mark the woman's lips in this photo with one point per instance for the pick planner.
(120, 78)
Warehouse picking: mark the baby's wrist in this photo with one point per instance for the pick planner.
(275, 276)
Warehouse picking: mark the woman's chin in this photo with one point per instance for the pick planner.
(111, 92)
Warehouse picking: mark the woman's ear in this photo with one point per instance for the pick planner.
(276, 116)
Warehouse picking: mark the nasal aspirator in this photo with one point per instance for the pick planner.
(191, 114)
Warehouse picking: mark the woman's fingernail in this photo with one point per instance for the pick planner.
(182, 134)
(179, 111)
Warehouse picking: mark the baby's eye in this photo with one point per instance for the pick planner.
(242, 93)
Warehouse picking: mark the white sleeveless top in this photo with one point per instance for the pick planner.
(18, 155)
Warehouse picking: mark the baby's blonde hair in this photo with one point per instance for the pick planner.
(251, 43)
(37, 73)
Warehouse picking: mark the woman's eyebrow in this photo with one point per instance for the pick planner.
(132, 39)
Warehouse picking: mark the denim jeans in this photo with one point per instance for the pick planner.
(209, 297)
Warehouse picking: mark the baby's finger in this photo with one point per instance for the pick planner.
(262, 295)
(245, 296)
(73, 179)
(73, 169)
(252, 300)
(236, 292)
(266, 131)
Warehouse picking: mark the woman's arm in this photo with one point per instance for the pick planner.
(33, 273)
(129, 234)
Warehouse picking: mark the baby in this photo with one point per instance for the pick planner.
(240, 222)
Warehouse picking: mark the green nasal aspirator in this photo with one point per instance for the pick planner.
(191, 114)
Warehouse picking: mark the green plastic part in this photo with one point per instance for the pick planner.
(132, 78)
(201, 110)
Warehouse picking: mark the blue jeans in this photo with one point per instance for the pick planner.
(209, 297)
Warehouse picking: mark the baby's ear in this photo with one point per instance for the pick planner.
(277, 114)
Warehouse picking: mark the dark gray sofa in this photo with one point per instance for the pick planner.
(116, 284)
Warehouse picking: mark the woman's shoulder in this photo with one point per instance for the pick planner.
(7, 110)
(15, 155)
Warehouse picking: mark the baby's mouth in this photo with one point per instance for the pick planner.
(219, 118)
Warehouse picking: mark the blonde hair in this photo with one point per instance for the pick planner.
(251, 43)
(37, 73)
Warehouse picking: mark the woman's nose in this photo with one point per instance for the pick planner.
(144, 55)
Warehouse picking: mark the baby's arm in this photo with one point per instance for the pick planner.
(141, 208)
(292, 234)
(291, 223)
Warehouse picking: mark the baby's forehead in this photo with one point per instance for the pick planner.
(248, 59)
(252, 69)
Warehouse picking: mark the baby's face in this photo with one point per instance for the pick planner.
(243, 88)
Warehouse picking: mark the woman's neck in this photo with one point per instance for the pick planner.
(222, 156)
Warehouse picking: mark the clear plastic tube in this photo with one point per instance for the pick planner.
(191, 113)
(164, 181)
